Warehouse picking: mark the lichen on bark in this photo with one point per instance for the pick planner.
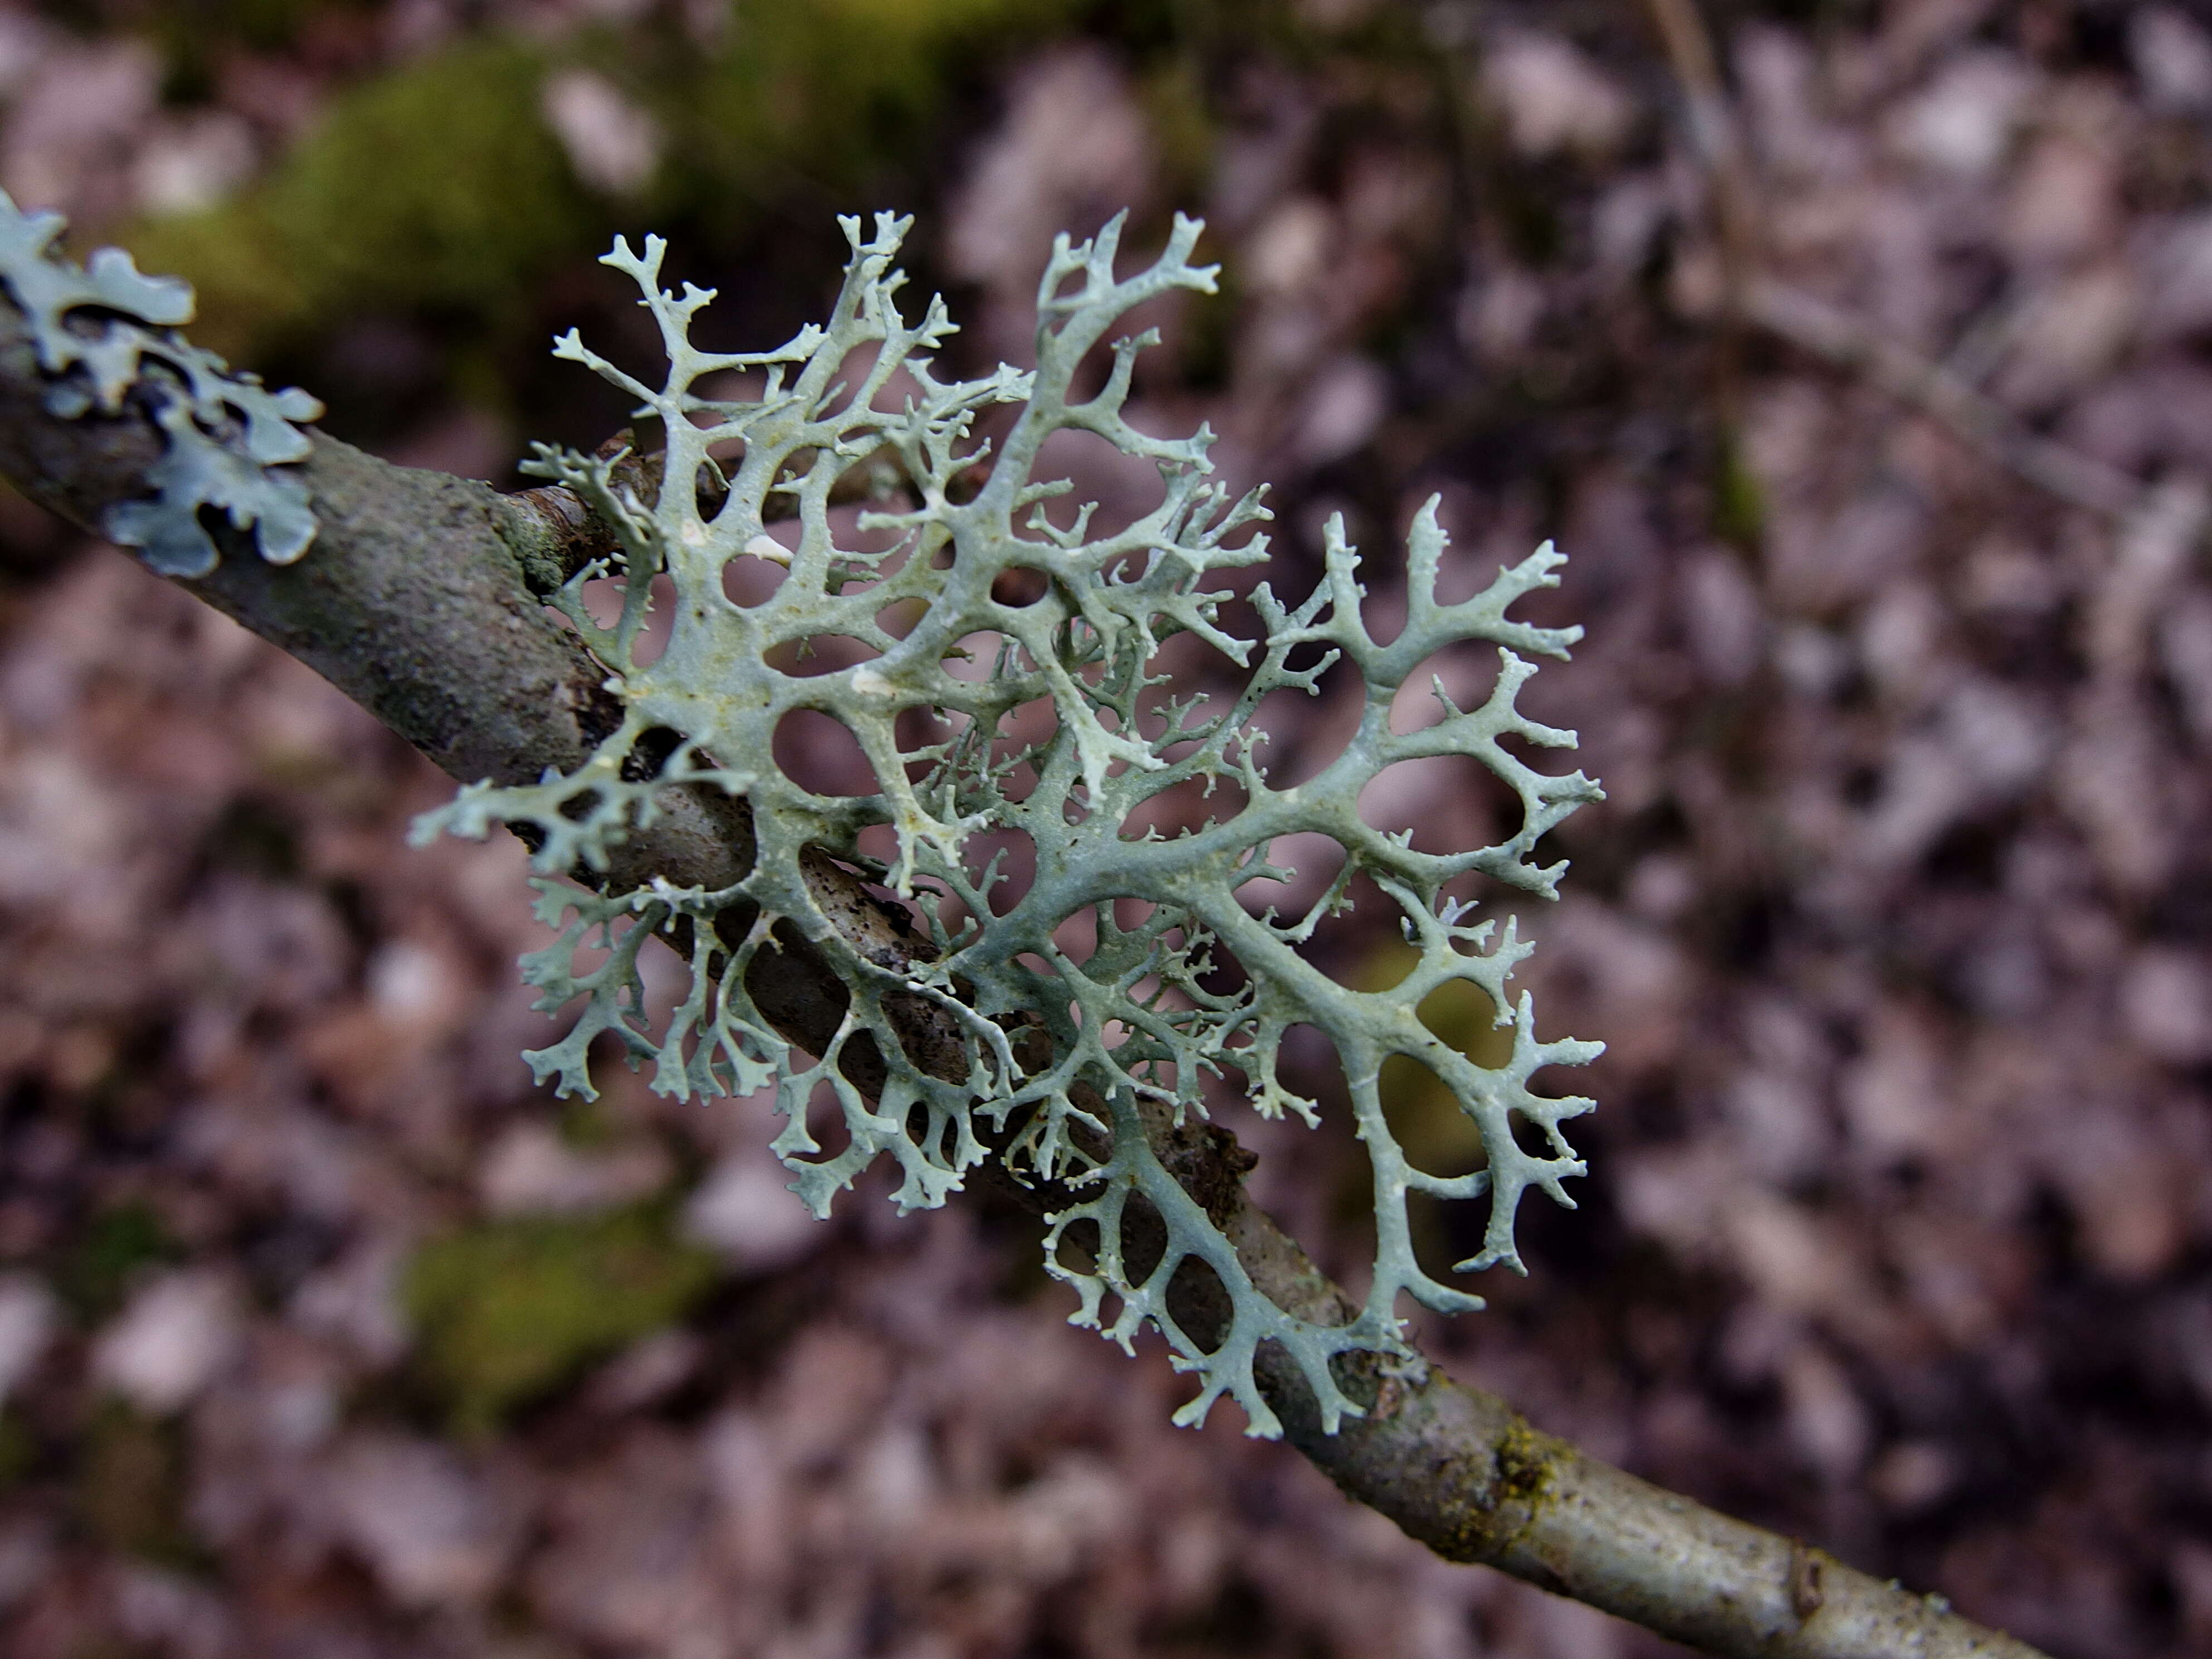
(985, 713)
(106, 332)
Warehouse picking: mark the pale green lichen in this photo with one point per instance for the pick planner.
(106, 331)
(948, 714)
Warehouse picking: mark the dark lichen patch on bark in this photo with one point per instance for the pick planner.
(1807, 1592)
(1207, 1163)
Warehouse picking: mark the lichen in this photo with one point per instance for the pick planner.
(104, 332)
(983, 716)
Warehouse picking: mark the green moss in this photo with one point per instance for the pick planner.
(826, 94)
(1181, 125)
(439, 189)
(1497, 1499)
(507, 1310)
(443, 187)
(19, 1449)
(195, 36)
(1525, 1464)
(130, 1484)
(1738, 501)
(588, 1124)
(95, 1273)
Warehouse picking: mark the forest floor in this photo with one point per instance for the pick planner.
(1876, 430)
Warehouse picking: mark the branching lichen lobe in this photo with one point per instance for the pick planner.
(1080, 1064)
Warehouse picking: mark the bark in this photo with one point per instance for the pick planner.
(417, 601)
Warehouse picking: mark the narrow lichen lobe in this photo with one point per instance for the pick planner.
(1021, 701)
(106, 334)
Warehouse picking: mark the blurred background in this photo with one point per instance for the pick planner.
(1873, 422)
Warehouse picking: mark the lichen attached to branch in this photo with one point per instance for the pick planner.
(106, 332)
(988, 715)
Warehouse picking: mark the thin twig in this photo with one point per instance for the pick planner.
(1977, 419)
(1716, 140)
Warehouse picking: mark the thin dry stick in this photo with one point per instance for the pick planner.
(1714, 137)
(1984, 425)
(416, 602)
(1751, 296)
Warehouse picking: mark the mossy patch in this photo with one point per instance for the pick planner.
(438, 188)
(1739, 499)
(195, 36)
(131, 1485)
(507, 1310)
(1502, 1501)
(19, 1448)
(97, 1271)
(1524, 1463)
(822, 92)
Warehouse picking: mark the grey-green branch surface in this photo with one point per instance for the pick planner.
(436, 604)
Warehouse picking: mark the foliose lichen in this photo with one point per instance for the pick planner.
(104, 332)
(983, 718)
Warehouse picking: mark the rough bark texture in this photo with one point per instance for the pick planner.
(414, 602)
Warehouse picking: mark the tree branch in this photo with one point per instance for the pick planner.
(418, 602)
